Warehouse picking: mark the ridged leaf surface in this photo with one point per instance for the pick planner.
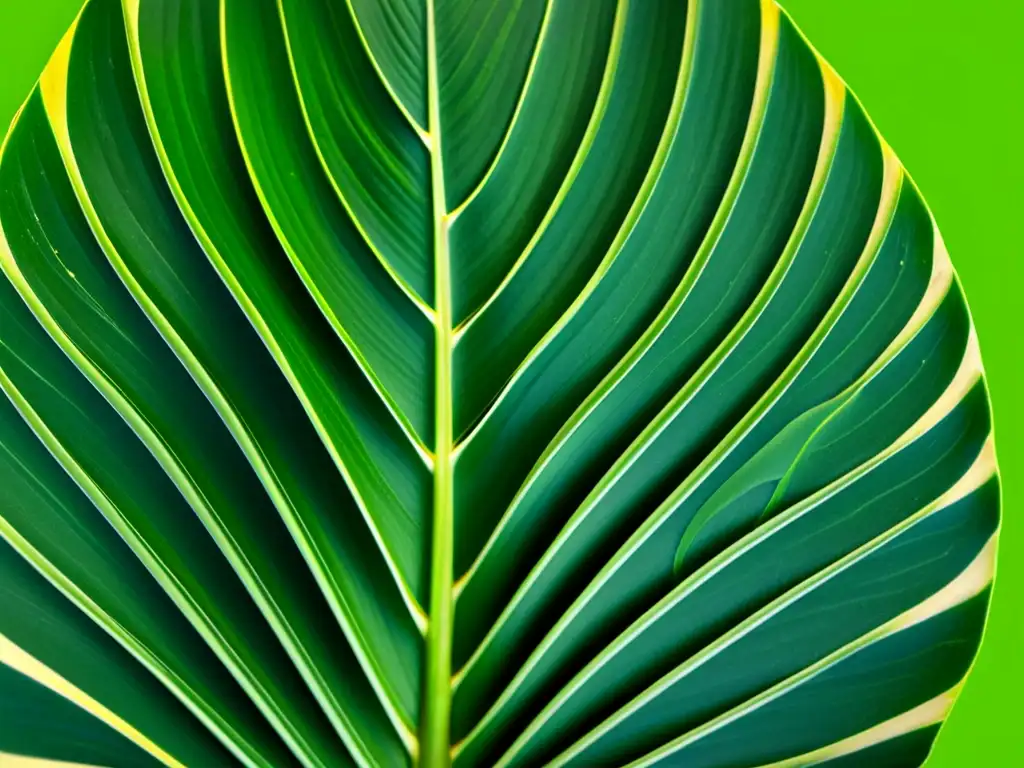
(476, 383)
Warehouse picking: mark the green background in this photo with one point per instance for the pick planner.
(943, 81)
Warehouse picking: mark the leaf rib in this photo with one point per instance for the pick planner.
(438, 693)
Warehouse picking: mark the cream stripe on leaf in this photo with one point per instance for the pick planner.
(49, 639)
(48, 718)
(479, 382)
(20, 761)
(906, 738)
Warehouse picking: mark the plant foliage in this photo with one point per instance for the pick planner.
(476, 382)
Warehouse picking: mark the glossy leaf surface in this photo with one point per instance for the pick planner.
(474, 383)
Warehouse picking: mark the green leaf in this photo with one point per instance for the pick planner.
(480, 383)
(37, 721)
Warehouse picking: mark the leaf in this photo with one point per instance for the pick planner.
(477, 383)
(37, 720)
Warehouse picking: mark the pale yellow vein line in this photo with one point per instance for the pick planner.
(21, 661)
(137, 650)
(932, 712)
(8, 760)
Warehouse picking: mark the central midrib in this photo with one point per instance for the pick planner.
(435, 727)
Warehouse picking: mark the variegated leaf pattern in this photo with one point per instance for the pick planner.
(476, 383)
